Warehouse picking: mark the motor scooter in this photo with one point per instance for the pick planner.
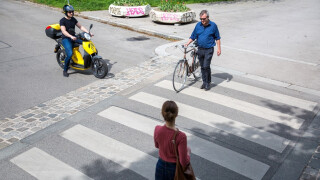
(90, 59)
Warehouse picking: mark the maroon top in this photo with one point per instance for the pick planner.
(163, 137)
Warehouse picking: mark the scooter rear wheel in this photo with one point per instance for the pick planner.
(99, 68)
(61, 56)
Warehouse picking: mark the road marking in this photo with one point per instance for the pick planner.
(227, 158)
(272, 56)
(239, 105)
(45, 167)
(266, 94)
(127, 156)
(245, 131)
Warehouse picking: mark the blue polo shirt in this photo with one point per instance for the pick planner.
(206, 35)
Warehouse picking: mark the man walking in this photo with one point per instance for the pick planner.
(207, 34)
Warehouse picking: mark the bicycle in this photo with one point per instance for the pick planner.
(183, 69)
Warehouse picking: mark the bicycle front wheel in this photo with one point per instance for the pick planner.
(180, 75)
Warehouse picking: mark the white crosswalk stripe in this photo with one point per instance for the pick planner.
(243, 106)
(112, 149)
(266, 94)
(232, 160)
(250, 133)
(45, 167)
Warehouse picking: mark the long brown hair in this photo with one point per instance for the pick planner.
(169, 111)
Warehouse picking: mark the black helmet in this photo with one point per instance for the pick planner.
(67, 8)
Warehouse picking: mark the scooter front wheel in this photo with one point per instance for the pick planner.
(99, 68)
(61, 56)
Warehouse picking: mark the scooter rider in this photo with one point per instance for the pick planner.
(67, 25)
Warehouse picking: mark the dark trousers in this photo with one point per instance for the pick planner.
(205, 56)
(68, 44)
(165, 170)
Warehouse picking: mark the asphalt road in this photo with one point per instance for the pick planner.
(29, 73)
(243, 128)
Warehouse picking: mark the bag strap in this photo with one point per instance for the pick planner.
(174, 143)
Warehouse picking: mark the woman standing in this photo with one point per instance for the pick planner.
(163, 136)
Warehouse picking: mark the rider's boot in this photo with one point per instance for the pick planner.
(65, 74)
(56, 49)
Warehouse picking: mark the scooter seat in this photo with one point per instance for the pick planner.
(76, 45)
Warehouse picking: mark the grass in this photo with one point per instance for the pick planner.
(93, 5)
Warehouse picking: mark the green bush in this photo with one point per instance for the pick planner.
(173, 6)
(94, 5)
(79, 5)
(130, 3)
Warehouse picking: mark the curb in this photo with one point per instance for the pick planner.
(131, 28)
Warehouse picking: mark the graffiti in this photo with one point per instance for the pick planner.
(173, 17)
(129, 11)
(188, 17)
(115, 10)
(153, 16)
(170, 17)
(134, 11)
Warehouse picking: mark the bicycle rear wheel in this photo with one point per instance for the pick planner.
(180, 75)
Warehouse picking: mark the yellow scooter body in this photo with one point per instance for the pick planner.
(89, 47)
(55, 26)
(77, 58)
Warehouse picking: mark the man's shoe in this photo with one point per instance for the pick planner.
(207, 87)
(203, 85)
(65, 74)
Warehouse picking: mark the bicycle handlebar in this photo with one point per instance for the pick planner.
(182, 46)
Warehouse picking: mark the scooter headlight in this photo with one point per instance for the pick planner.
(87, 36)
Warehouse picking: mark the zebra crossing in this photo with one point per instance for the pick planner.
(217, 154)
(42, 165)
(210, 119)
(112, 149)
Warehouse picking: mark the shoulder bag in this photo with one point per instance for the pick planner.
(180, 174)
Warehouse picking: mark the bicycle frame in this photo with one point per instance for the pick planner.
(183, 69)
(193, 51)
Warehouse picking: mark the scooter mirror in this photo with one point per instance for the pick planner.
(91, 26)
